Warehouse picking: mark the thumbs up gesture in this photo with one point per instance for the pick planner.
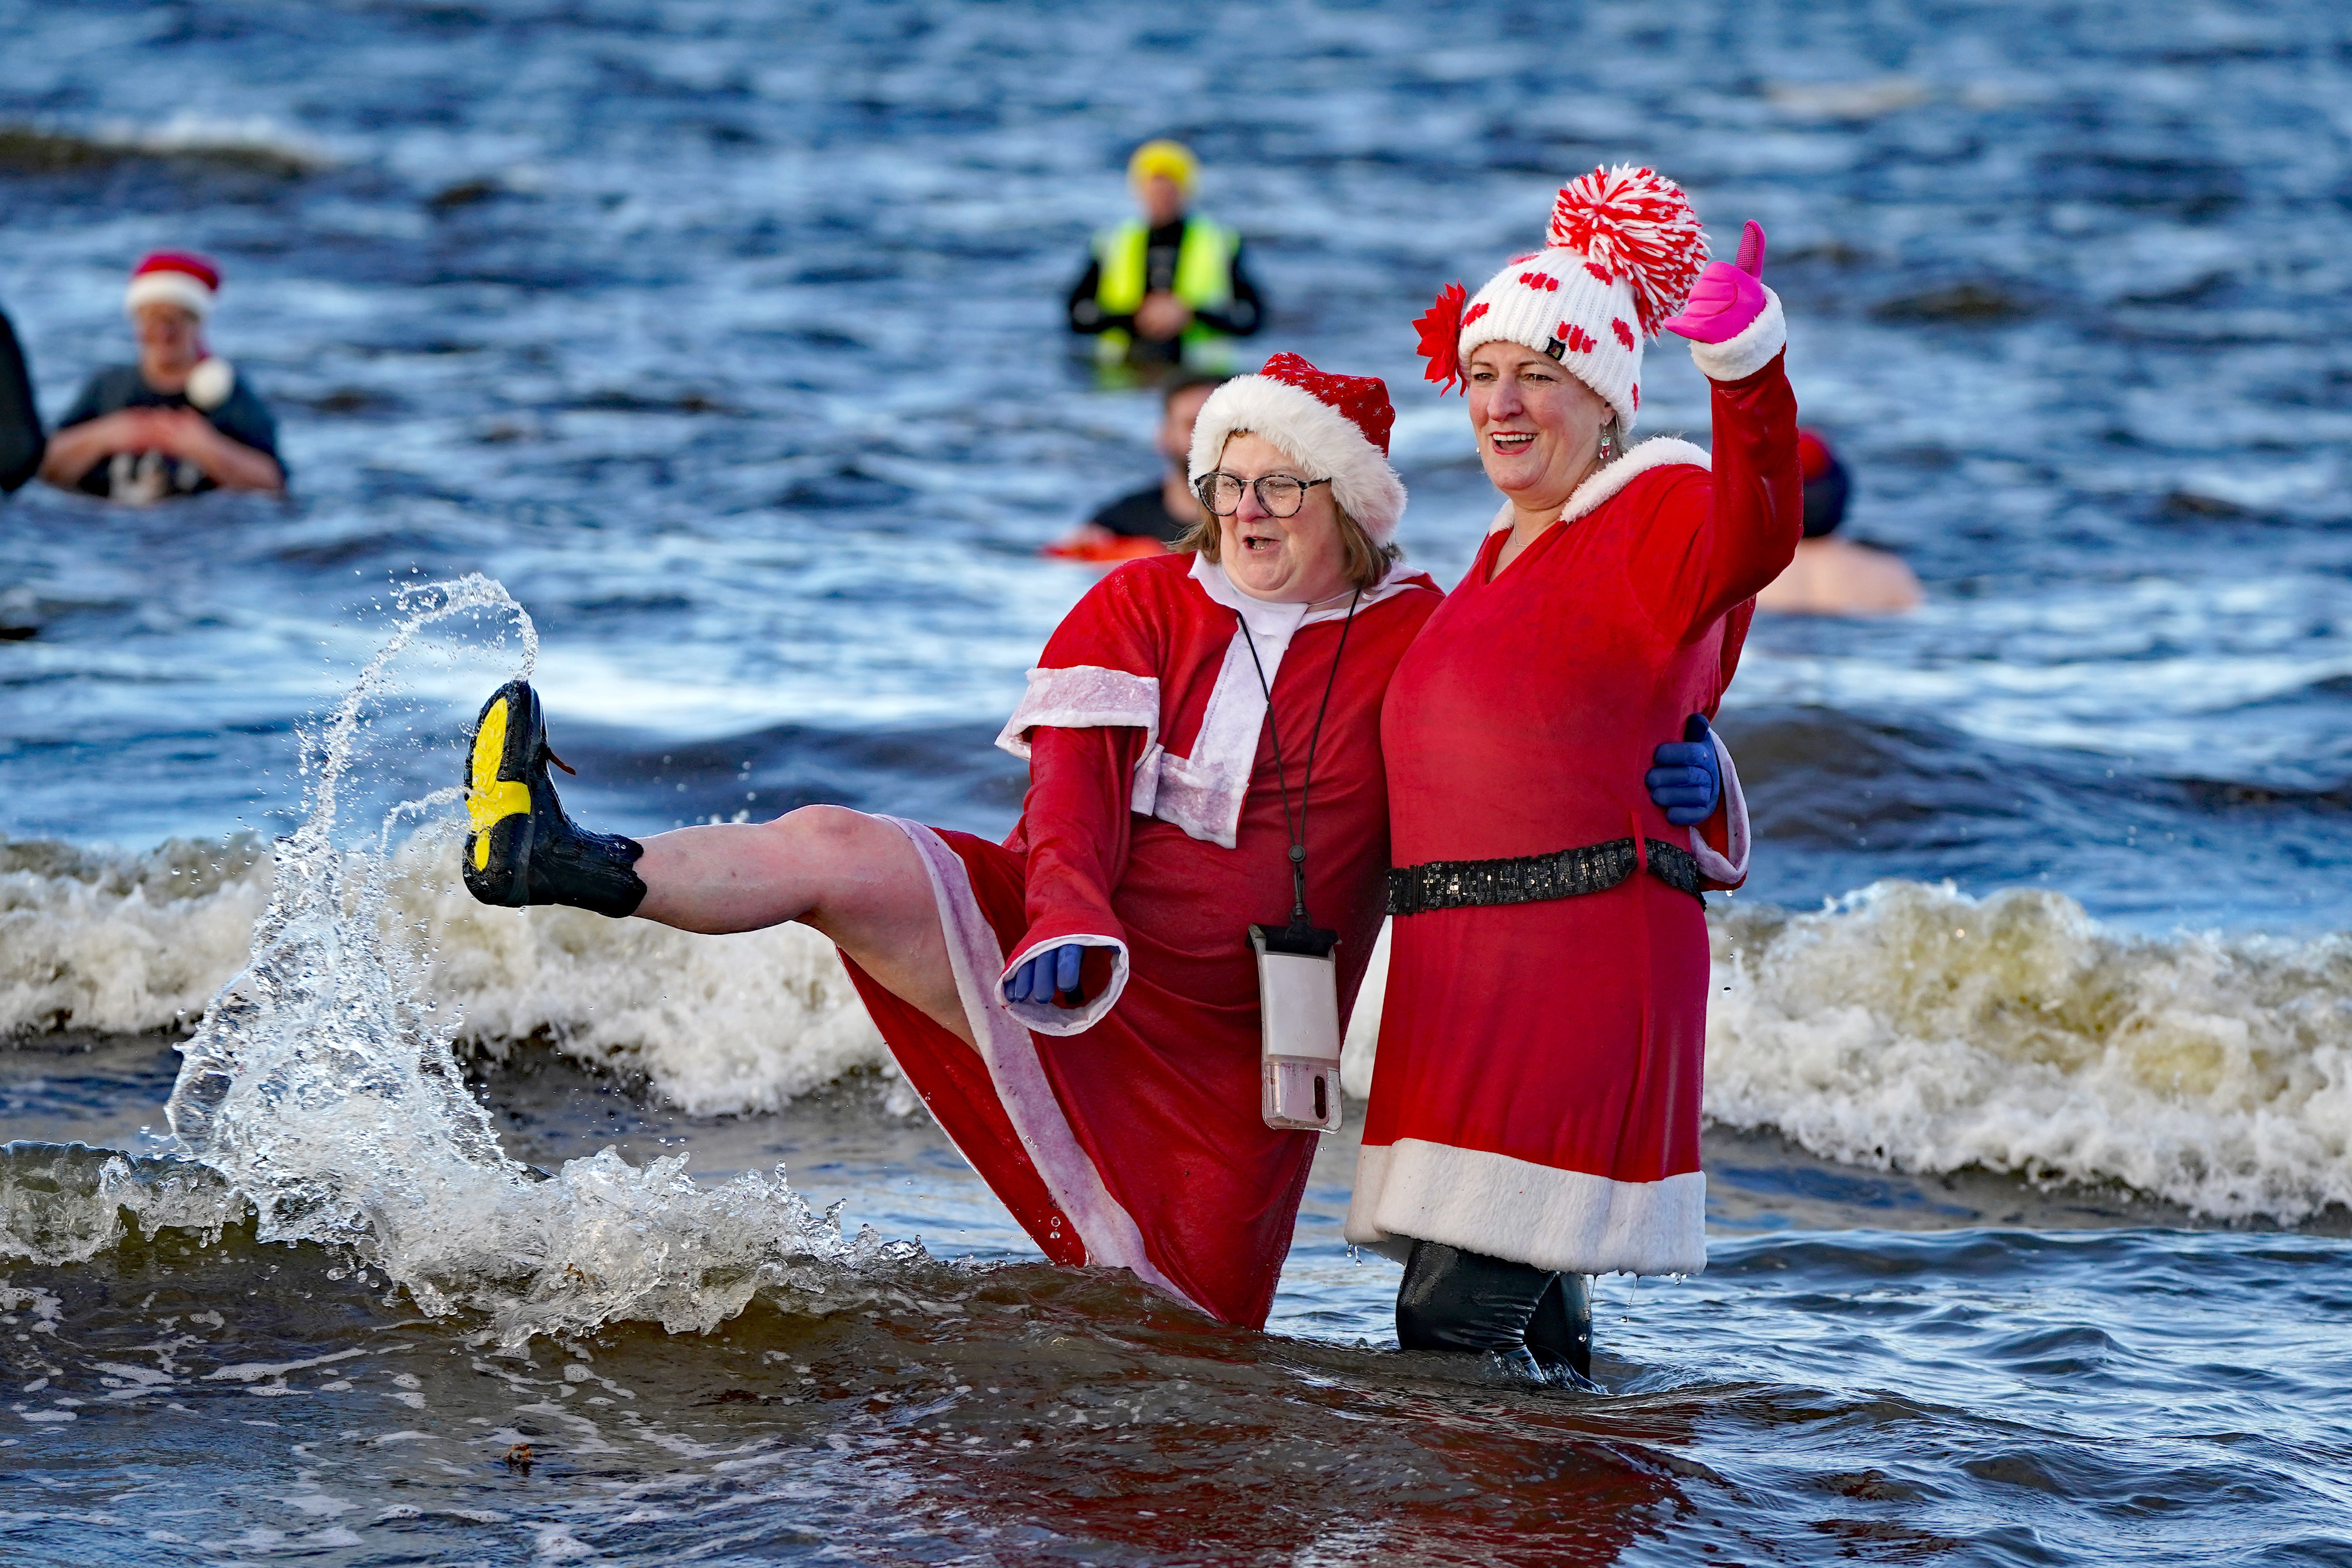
(1726, 299)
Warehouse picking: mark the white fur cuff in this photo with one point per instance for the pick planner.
(1730, 869)
(1044, 1016)
(1536, 1214)
(1748, 352)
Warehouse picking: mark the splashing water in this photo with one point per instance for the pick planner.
(324, 1088)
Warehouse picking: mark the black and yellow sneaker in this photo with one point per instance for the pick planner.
(522, 848)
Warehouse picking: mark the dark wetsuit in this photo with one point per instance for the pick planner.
(1143, 515)
(1241, 316)
(20, 422)
(242, 417)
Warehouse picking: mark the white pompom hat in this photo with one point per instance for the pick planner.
(1620, 255)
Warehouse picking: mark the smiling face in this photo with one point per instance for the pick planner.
(1539, 427)
(171, 341)
(1283, 560)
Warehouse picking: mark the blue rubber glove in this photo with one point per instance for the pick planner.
(1688, 781)
(1039, 979)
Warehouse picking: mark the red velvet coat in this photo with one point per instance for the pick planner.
(1535, 1092)
(1128, 1132)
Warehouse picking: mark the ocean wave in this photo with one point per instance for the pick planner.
(1916, 1028)
(130, 944)
(1906, 1026)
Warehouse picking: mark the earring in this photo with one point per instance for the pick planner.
(1609, 442)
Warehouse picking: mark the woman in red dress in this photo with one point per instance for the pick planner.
(1079, 1005)
(1535, 1112)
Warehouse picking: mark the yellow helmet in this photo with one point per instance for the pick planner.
(1173, 159)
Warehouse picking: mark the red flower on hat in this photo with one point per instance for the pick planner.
(1636, 224)
(1440, 340)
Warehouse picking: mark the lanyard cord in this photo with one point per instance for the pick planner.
(1298, 829)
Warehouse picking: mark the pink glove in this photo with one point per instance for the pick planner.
(1725, 299)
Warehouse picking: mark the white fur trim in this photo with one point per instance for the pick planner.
(166, 287)
(1087, 697)
(1315, 436)
(1530, 302)
(1109, 1232)
(1047, 1018)
(1657, 452)
(1749, 352)
(1531, 1214)
(1731, 869)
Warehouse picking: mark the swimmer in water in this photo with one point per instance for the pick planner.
(180, 421)
(1833, 576)
(1167, 287)
(1154, 518)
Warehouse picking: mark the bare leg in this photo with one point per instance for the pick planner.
(852, 876)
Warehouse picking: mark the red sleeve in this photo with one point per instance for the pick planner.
(1076, 823)
(1719, 541)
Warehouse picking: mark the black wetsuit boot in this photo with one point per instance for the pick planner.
(522, 848)
(1532, 1320)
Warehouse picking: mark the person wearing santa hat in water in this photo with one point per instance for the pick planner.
(1834, 575)
(1079, 1005)
(180, 421)
(1535, 1111)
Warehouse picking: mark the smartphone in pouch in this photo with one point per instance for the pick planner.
(1298, 1012)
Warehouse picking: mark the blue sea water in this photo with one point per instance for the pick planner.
(726, 338)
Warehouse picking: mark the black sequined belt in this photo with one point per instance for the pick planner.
(1536, 878)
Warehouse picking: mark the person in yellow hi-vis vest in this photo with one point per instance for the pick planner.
(1167, 287)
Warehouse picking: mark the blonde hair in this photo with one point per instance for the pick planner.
(1365, 562)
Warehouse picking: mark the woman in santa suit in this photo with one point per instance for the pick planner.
(1535, 1112)
(1079, 1005)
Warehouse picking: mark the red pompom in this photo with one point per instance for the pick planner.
(1441, 338)
(1636, 224)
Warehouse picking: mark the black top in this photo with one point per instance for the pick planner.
(20, 422)
(244, 418)
(1240, 317)
(1143, 515)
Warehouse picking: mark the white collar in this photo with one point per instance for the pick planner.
(1603, 483)
(1266, 619)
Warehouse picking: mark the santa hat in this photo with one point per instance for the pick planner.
(174, 277)
(1826, 484)
(1334, 427)
(1623, 249)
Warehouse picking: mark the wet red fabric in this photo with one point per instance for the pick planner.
(1572, 1033)
(1162, 1092)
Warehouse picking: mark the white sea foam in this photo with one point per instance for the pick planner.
(1915, 1028)
(321, 1087)
(1908, 1027)
(715, 1025)
(126, 943)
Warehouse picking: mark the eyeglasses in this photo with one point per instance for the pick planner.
(1281, 495)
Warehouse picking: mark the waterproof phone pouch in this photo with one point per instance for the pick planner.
(1298, 1009)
